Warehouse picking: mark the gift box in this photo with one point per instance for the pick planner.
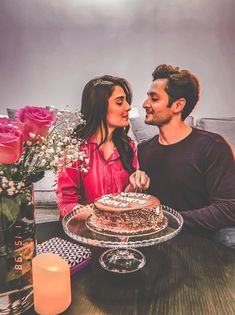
(77, 256)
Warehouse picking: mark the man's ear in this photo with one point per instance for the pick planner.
(179, 105)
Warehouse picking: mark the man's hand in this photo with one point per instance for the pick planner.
(139, 181)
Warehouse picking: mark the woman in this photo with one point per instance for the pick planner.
(113, 165)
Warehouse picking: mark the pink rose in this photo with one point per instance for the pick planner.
(35, 120)
(11, 142)
(7, 121)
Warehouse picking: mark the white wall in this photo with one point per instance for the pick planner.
(49, 49)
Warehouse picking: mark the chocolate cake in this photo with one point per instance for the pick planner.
(127, 213)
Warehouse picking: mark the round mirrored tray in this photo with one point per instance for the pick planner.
(122, 257)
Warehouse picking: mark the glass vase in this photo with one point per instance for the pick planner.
(17, 248)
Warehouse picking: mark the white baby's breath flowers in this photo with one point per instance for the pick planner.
(60, 147)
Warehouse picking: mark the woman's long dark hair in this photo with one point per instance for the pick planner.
(94, 108)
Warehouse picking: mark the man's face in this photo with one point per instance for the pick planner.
(157, 112)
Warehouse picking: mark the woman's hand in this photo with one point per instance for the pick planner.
(139, 181)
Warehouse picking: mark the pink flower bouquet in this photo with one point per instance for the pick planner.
(38, 139)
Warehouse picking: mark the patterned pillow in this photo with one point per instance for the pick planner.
(141, 130)
(223, 126)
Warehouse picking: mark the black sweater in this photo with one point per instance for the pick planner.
(195, 176)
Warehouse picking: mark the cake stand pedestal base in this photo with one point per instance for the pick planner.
(122, 260)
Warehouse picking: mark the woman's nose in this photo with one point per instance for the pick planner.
(128, 106)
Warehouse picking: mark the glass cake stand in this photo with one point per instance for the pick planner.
(122, 257)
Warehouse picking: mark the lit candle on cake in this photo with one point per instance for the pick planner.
(51, 284)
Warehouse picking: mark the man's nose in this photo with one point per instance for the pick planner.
(146, 104)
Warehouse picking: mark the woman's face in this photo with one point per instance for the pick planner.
(118, 109)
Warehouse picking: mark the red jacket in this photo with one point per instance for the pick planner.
(103, 177)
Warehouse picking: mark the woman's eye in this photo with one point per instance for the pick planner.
(119, 103)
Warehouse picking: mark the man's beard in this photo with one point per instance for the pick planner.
(150, 122)
(158, 123)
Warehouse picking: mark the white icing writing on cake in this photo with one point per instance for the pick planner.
(119, 200)
(108, 201)
(133, 194)
(129, 199)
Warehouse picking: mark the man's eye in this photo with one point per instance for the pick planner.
(119, 103)
(154, 99)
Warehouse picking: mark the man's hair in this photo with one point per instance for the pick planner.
(181, 84)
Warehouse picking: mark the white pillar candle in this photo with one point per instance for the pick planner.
(51, 284)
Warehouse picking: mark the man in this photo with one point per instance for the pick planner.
(190, 170)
